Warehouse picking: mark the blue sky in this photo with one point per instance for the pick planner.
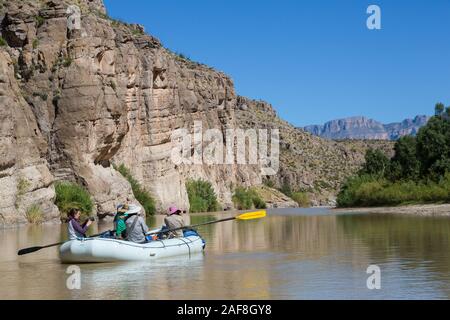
(313, 60)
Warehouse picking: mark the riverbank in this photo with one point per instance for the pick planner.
(419, 210)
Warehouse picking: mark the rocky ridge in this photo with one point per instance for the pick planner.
(364, 128)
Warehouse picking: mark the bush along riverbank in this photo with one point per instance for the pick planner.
(139, 192)
(419, 172)
(246, 199)
(202, 197)
(70, 195)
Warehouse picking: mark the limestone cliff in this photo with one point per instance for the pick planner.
(108, 93)
(25, 179)
(81, 92)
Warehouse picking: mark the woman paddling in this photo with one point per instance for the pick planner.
(174, 220)
(77, 230)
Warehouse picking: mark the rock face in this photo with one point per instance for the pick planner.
(81, 93)
(275, 198)
(364, 128)
(106, 93)
(25, 178)
(406, 127)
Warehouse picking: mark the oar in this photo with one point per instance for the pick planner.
(34, 249)
(245, 216)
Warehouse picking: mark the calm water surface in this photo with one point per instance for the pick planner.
(292, 254)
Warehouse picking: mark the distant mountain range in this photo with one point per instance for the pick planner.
(368, 129)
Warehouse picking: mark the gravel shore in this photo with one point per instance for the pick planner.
(420, 210)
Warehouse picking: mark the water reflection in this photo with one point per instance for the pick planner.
(422, 238)
(294, 255)
(417, 243)
(158, 280)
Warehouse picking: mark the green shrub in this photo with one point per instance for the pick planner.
(34, 214)
(347, 194)
(40, 21)
(67, 62)
(286, 189)
(202, 197)
(35, 43)
(302, 199)
(147, 201)
(245, 199)
(16, 69)
(269, 183)
(197, 204)
(182, 56)
(70, 195)
(257, 201)
(116, 23)
(433, 147)
(137, 32)
(56, 97)
(369, 191)
(113, 85)
(3, 42)
(376, 163)
(242, 199)
(22, 188)
(404, 164)
(140, 193)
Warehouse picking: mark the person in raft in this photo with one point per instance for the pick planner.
(136, 227)
(77, 230)
(120, 225)
(174, 220)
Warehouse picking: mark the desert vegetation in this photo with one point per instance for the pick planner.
(202, 197)
(419, 172)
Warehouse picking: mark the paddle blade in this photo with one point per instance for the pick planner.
(28, 250)
(252, 215)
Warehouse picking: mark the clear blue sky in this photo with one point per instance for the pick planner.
(313, 60)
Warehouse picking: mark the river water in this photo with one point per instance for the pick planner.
(291, 254)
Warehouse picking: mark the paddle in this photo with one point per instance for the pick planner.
(245, 216)
(34, 249)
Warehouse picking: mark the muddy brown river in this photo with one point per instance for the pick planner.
(291, 254)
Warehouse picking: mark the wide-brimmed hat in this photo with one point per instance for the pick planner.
(134, 209)
(174, 210)
(130, 209)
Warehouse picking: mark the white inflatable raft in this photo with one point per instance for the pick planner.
(97, 250)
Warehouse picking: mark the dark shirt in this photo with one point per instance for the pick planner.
(79, 229)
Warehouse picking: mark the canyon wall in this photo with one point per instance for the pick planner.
(81, 93)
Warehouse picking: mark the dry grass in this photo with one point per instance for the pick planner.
(35, 215)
